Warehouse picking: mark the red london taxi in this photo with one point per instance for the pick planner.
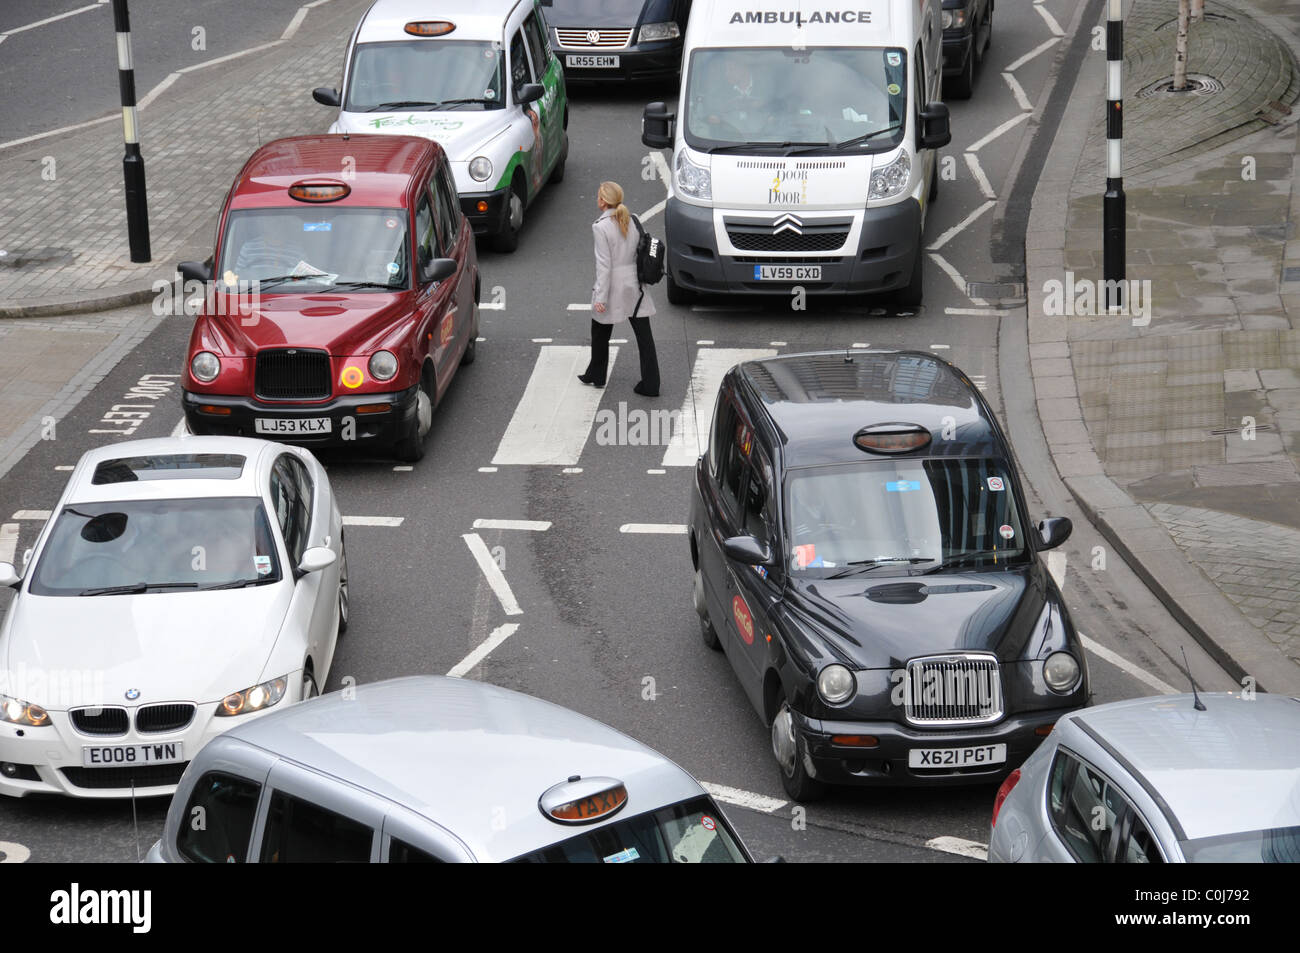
(342, 296)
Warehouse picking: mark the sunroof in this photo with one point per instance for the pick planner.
(171, 466)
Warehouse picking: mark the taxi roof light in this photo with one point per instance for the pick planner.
(318, 191)
(892, 438)
(583, 800)
(430, 27)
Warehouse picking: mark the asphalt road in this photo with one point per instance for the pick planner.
(602, 611)
(65, 71)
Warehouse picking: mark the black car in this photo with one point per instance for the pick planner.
(862, 556)
(967, 33)
(603, 40)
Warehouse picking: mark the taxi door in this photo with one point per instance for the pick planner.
(550, 108)
(757, 588)
(456, 322)
(434, 326)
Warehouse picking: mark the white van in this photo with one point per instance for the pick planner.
(803, 147)
(476, 76)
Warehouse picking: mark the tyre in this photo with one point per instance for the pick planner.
(471, 348)
(988, 26)
(707, 632)
(676, 293)
(963, 83)
(410, 449)
(557, 173)
(507, 240)
(344, 605)
(788, 750)
(911, 295)
(309, 688)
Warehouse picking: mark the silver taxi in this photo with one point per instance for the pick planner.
(427, 769)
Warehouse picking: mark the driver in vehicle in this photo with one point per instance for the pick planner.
(738, 106)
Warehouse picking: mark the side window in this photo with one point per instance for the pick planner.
(306, 495)
(426, 242)
(218, 820)
(298, 831)
(1085, 807)
(447, 213)
(536, 44)
(400, 852)
(520, 71)
(1139, 847)
(731, 478)
(757, 496)
(449, 195)
(922, 96)
(291, 510)
(724, 418)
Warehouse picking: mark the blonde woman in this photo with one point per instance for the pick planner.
(616, 294)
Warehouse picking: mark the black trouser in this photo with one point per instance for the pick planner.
(645, 345)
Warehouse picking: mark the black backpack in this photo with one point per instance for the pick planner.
(650, 254)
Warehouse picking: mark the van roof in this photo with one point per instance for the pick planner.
(379, 169)
(386, 20)
(817, 401)
(457, 750)
(787, 22)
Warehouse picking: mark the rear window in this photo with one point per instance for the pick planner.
(218, 820)
(171, 466)
(299, 832)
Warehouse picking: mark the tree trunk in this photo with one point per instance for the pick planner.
(1180, 54)
(1198, 10)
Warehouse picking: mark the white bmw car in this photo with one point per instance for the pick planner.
(180, 587)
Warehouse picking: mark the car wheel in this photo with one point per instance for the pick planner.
(411, 448)
(557, 173)
(507, 240)
(788, 751)
(988, 31)
(309, 689)
(964, 83)
(471, 347)
(676, 293)
(343, 588)
(707, 632)
(911, 295)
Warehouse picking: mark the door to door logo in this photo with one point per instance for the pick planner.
(744, 621)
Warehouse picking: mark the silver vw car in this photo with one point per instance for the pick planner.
(430, 769)
(1173, 779)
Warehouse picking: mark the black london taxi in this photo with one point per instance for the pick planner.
(861, 554)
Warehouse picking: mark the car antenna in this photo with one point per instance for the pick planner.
(135, 823)
(1196, 699)
(848, 355)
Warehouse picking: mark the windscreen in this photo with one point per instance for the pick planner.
(415, 75)
(839, 98)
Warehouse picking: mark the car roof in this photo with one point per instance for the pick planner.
(259, 455)
(1234, 767)
(818, 400)
(386, 20)
(457, 750)
(714, 23)
(380, 169)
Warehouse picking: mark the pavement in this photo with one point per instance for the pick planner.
(1177, 426)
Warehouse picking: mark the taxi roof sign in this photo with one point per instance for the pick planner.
(430, 27)
(892, 438)
(323, 191)
(583, 800)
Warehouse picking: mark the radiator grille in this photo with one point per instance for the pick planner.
(959, 689)
(788, 241)
(100, 721)
(580, 38)
(293, 374)
(171, 717)
(143, 776)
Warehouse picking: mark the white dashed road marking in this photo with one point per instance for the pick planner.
(535, 526)
(1124, 665)
(471, 661)
(671, 529)
(755, 802)
(31, 515)
(492, 573)
(373, 520)
(959, 846)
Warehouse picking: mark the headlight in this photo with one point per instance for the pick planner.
(383, 365)
(836, 684)
(1061, 672)
(693, 180)
(205, 366)
(18, 712)
(658, 31)
(893, 178)
(480, 168)
(257, 698)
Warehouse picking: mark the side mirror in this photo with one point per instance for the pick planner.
(1054, 531)
(438, 269)
(657, 125)
(316, 559)
(934, 127)
(9, 575)
(194, 271)
(325, 95)
(748, 550)
(529, 93)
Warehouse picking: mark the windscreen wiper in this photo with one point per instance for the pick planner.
(137, 587)
(866, 565)
(281, 278)
(365, 284)
(462, 102)
(403, 104)
(235, 584)
(856, 140)
(963, 558)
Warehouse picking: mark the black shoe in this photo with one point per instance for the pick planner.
(590, 380)
(644, 391)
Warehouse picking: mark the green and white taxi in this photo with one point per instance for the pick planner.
(480, 79)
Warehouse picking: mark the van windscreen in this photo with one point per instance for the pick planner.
(842, 98)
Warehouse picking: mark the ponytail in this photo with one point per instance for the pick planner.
(623, 217)
(611, 193)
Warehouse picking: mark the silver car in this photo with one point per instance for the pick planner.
(431, 769)
(1159, 780)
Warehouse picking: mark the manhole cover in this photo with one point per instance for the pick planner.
(1006, 291)
(1198, 84)
(35, 257)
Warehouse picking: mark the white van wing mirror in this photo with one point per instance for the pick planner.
(935, 132)
(657, 123)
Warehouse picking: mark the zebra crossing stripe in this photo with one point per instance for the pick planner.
(691, 431)
(554, 417)
(8, 542)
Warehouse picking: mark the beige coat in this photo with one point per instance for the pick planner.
(616, 285)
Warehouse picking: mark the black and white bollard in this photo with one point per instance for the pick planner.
(137, 203)
(1113, 231)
